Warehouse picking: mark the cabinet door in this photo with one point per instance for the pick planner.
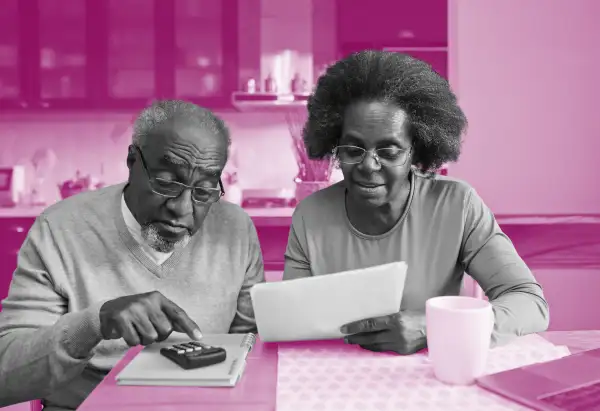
(62, 51)
(206, 50)
(10, 73)
(13, 232)
(393, 23)
(131, 50)
(436, 57)
(199, 45)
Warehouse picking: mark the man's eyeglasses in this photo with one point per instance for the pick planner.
(173, 189)
(389, 156)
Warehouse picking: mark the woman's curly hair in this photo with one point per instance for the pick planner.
(436, 121)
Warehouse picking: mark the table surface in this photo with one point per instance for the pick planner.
(257, 389)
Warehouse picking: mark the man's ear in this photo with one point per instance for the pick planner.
(131, 152)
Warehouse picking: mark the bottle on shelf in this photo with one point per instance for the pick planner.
(270, 85)
(251, 86)
(298, 85)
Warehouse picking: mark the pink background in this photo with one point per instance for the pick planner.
(523, 78)
(524, 75)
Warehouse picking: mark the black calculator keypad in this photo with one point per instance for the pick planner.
(194, 354)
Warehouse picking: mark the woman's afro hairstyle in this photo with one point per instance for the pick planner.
(436, 121)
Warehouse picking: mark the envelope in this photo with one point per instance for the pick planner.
(315, 308)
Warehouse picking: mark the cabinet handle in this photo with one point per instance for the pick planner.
(406, 34)
(19, 229)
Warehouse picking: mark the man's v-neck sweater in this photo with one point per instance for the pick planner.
(79, 254)
(135, 229)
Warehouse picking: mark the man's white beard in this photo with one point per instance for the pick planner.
(152, 237)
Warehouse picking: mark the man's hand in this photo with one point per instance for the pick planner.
(144, 319)
(402, 333)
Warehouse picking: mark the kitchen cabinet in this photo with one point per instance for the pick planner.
(393, 23)
(419, 29)
(13, 232)
(117, 54)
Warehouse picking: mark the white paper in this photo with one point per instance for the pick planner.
(346, 377)
(315, 308)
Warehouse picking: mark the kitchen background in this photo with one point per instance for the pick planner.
(74, 73)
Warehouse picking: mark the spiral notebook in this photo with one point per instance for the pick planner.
(149, 367)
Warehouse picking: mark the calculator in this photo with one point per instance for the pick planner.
(194, 354)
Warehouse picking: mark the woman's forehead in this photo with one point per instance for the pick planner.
(375, 121)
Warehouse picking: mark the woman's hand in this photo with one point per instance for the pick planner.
(402, 333)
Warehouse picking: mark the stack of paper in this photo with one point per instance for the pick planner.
(341, 377)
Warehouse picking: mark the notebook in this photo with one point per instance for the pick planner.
(149, 367)
(315, 308)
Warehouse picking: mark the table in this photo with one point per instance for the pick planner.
(255, 392)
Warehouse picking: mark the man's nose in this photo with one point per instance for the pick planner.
(181, 205)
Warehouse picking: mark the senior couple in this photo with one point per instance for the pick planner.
(131, 263)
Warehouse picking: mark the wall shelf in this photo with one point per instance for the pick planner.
(261, 101)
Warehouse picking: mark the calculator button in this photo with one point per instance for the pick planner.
(182, 347)
(194, 347)
(199, 345)
(175, 350)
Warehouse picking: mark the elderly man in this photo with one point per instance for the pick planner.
(129, 264)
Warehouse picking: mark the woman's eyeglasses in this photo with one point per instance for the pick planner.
(173, 189)
(389, 156)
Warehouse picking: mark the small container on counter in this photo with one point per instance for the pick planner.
(270, 84)
(251, 86)
(298, 86)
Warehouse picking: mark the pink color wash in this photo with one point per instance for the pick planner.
(524, 75)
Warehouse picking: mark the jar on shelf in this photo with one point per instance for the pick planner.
(270, 84)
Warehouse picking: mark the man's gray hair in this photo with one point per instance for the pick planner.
(168, 110)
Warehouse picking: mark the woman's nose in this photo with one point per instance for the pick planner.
(370, 162)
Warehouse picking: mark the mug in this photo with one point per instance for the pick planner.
(459, 332)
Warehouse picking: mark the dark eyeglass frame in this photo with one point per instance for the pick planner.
(182, 186)
(405, 152)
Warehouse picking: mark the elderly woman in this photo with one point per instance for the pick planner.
(390, 121)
